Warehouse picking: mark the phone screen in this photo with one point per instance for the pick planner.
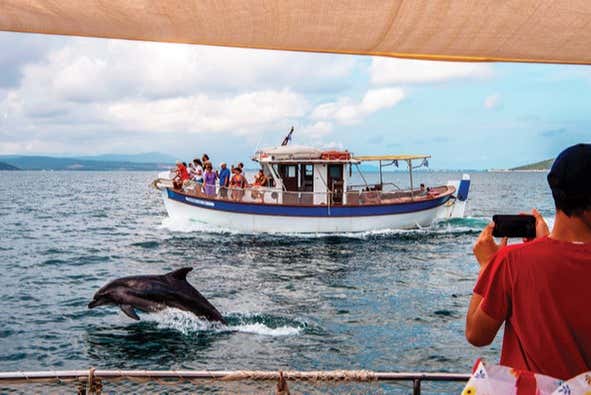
(514, 226)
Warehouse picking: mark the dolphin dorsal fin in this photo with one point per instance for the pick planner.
(180, 274)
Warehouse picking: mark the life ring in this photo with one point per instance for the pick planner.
(335, 155)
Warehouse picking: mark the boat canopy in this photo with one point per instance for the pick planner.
(290, 152)
(548, 31)
(376, 158)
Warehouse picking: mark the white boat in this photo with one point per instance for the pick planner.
(310, 191)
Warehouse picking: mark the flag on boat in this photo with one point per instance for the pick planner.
(287, 138)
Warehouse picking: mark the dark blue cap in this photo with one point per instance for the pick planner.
(570, 176)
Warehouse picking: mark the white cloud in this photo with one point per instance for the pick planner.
(315, 131)
(113, 91)
(246, 113)
(405, 71)
(347, 111)
(493, 102)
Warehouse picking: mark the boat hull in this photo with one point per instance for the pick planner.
(257, 218)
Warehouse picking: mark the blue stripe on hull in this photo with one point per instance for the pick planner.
(306, 211)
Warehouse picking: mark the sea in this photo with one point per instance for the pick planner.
(389, 300)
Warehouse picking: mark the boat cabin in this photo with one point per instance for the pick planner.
(306, 175)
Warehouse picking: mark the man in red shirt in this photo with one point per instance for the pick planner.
(541, 289)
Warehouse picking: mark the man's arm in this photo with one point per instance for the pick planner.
(481, 328)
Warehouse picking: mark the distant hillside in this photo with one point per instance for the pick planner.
(543, 165)
(148, 157)
(52, 163)
(6, 166)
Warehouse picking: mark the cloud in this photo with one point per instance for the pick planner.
(348, 111)
(80, 94)
(403, 71)
(89, 69)
(493, 102)
(246, 113)
(316, 130)
(18, 49)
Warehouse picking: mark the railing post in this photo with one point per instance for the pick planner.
(416, 386)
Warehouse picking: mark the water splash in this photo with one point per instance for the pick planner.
(257, 324)
(452, 226)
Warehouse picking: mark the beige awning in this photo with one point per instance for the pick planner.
(557, 31)
(374, 158)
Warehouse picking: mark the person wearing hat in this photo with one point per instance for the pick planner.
(541, 288)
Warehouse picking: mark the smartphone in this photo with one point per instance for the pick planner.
(514, 226)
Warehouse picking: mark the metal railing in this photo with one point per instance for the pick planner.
(93, 381)
(269, 195)
(255, 194)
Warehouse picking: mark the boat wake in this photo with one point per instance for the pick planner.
(257, 324)
(451, 226)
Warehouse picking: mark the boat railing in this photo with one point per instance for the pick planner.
(269, 195)
(266, 195)
(372, 197)
(385, 186)
(96, 381)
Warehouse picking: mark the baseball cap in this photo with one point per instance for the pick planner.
(570, 175)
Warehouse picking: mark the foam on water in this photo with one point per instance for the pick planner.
(187, 324)
(456, 225)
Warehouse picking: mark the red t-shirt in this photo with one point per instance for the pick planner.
(542, 290)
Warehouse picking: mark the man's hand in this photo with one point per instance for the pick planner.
(485, 246)
(541, 226)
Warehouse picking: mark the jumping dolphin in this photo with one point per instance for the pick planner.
(155, 293)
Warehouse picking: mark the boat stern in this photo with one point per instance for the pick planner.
(455, 208)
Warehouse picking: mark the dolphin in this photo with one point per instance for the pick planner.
(153, 293)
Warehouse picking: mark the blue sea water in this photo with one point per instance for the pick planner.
(387, 300)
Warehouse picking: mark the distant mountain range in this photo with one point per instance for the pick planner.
(6, 166)
(543, 165)
(149, 161)
(148, 157)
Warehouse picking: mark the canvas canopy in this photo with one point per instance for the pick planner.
(374, 158)
(557, 31)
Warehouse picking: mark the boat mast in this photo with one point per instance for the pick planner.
(381, 182)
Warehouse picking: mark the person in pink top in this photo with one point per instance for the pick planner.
(541, 289)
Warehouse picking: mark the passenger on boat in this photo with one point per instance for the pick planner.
(181, 175)
(237, 184)
(224, 180)
(205, 159)
(209, 177)
(260, 179)
(541, 288)
(198, 176)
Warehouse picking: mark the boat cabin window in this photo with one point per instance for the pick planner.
(291, 171)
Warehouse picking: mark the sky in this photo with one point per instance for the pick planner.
(84, 96)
